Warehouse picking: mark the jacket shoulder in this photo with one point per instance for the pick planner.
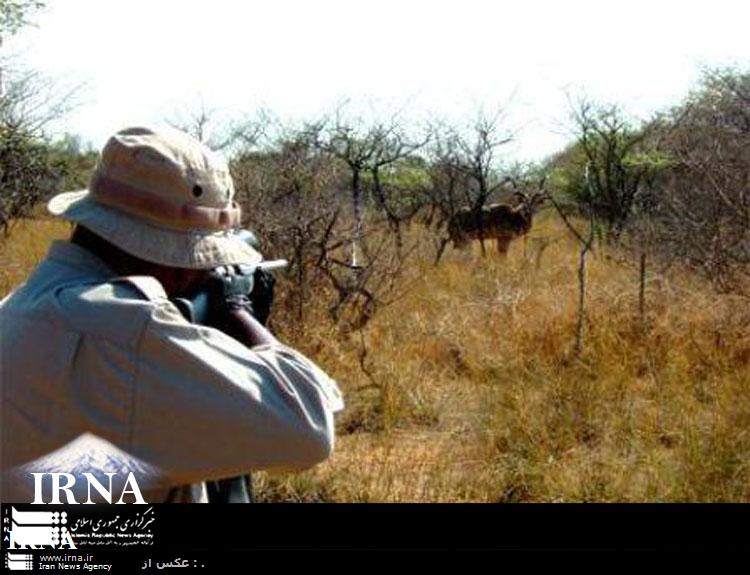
(117, 310)
(148, 287)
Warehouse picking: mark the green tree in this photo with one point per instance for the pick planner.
(31, 166)
(14, 14)
(620, 160)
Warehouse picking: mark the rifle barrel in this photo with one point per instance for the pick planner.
(273, 264)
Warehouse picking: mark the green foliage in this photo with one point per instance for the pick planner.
(610, 168)
(401, 183)
(13, 14)
(566, 176)
(25, 173)
(32, 169)
(73, 161)
(650, 161)
(407, 174)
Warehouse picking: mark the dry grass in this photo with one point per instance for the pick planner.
(25, 248)
(474, 394)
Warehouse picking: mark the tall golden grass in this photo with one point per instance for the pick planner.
(25, 247)
(470, 390)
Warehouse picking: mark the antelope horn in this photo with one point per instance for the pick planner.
(523, 196)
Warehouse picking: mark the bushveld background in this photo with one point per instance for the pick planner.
(605, 357)
(470, 390)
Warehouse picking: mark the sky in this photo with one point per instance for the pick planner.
(144, 61)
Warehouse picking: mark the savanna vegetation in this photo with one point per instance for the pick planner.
(606, 357)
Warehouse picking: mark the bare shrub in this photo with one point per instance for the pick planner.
(703, 210)
(374, 154)
(296, 186)
(30, 169)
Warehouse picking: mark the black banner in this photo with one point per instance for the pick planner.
(150, 538)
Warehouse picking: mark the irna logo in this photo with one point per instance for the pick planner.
(57, 484)
(38, 530)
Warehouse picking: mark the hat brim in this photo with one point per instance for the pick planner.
(192, 249)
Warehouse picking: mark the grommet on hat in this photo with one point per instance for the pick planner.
(164, 197)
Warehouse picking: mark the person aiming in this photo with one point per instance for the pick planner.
(101, 371)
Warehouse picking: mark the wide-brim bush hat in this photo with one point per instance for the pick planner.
(164, 197)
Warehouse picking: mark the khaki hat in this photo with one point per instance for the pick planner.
(164, 197)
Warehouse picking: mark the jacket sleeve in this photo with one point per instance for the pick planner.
(206, 406)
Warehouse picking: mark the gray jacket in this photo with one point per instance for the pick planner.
(103, 373)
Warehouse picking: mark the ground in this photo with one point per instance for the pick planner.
(473, 391)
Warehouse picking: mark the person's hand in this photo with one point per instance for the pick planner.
(261, 296)
(235, 303)
(238, 322)
(220, 291)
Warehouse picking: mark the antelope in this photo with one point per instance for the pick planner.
(500, 221)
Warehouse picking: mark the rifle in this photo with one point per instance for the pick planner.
(229, 293)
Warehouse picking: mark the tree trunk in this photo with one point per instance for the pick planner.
(358, 215)
(581, 298)
(642, 291)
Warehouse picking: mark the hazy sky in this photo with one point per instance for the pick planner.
(144, 60)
